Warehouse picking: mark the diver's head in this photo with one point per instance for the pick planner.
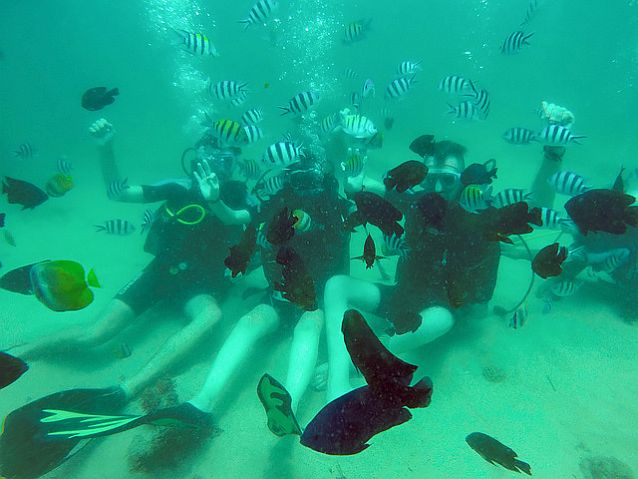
(307, 177)
(444, 169)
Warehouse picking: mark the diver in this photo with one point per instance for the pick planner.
(319, 239)
(447, 268)
(200, 217)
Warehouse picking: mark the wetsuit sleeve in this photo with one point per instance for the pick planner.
(168, 191)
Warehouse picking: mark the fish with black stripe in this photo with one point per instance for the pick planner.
(64, 166)
(116, 227)
(252, 116)
(355, 162)
(253, 133)
(553, 220)
(355, 31)
(568, 183)
(558, 135)
(456, 85)
(227, 89)
(395, 245)
(116, 187)
(329, 123)
(519, 136)
(249, 168)
(197, 43)
(482, 102)
(282, 153)
(399, 87)
(515, 42)
(509, 196)
(147, 220)
(466, 110)
(25, 151)
(408, 67)
(474, 199)
(300, 103)
(230, 132)
(259, 13)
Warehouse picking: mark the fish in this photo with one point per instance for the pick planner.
(373, 209)
(252, 116)
(148, 218)
(350, 74)
(552, 219)
(369, 252)
(558, 135)
(611, 261)
(479, 173)
(466, 110)
(405, 176)
(116, 227)
(2, 219)
(509, 196)
(456, 85)
(519, 317)
(269, 186)
(395, 245)
(259, 13)
(11, 369)
(568, 183)
(388, 119)
(296, 286)
(565, 288)
(25, 151)
(239, 99)
(368, 89)
(281, 227)
(329, 123)
(619, 184)
(239, 258)
(253, 133)
(398, 87)
(423, 145)
(227, 89)
(474, 199)
(495, 452)
(249, 168)
(603, 210)
(515, 41)
(64, 166)
(408, 67)
(230, 132)
(23, 193)
(300, 103)
(197, 43)
(430, 209)
(481, 103)
(346, 424)
(355, 162)
(18, 280)
(303, 221)
(95, 99)
(548, 260)
(509, 220)
(282, 154)
(355, 31)
(519, 136)
(59, 185)
(357, 126)
(116, 187)
(62, 285)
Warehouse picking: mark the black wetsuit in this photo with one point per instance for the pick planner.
(189, 258)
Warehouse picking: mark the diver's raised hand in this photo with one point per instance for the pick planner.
(207, 181)
(102, 131)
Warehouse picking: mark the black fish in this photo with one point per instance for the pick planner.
(23, 193)
(513, 219)
(603, 210)
(553, 153)
(423, 145)
(281, 227)
(2, 217)
(297, 286)
(619, 184)
(11, 368)
(431, 209)
(240, 254)
(18, 280)
(373, 209)
(479, 174)
(344, 425)
(405, 176)
(494, 451)
(548, 260)
(369, 252)
(97, 98)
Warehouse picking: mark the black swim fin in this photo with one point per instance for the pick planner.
(277, 403)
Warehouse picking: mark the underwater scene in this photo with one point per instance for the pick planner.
(336, 239)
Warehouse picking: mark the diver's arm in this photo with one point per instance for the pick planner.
(362, 182)
(104, 133)
(132, 194)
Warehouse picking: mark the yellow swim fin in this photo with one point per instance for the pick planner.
(277, 403)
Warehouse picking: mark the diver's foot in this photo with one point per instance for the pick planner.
(278, 406)
(188, 415)
(319, 380)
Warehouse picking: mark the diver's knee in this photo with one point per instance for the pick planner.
(261, 316)
(310, 323)
(203, 305)
(337, 287)
(439, 318)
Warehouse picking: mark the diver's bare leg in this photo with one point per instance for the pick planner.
(342, 292)
(116, 316)
(204, 313)
(303, 354)
(250, 328)
(436, 321)
(543, 193)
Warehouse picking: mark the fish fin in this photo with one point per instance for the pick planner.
(114, 92)
(527, 37)
(99, 228)
(285, 109)
(523, 466)
(277, 404)
(92, 279)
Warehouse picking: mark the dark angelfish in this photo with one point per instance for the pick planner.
(97, 98)
(374, 209)
(240, 254)
(423, 145)
(297, 286)
(281, 227)
(495, 452)
(548, 261)
(11, 368)
(23, 193)
(479, 174)
(18, 280)
(405, 176)
(369, 252)
(514, 219)
(603, 210)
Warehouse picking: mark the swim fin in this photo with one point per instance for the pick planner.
(277, 403)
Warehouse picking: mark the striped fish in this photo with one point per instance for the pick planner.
(227, 89)
(455, 85)
(25, 151)
(568, 183)
(519, 136)
(147, 220)
(252, 116)
(519, 317)
(357, 126)
(259, 13)
(355, 162)
(482, 103)
(355, 30)
(302, 221)
(614, 260)
(230, 132)
(368, 89)
(399, 87)
(329, 123)
(465, 109)
(250, 168)
(197, 43)
(262, 242)
(64, 166)
(300, 103)
(394, 245)
(115, 188)
(350, 74)
(514, 42)
(282, 153)
(557, 135)
(530, 12)
(270, 186)
(565, 288)
(551, 219)
(116, 227)
(474, 200)
(510, 196)
(408, 68)
(355, 100)
(253, 133)
(239, 99)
